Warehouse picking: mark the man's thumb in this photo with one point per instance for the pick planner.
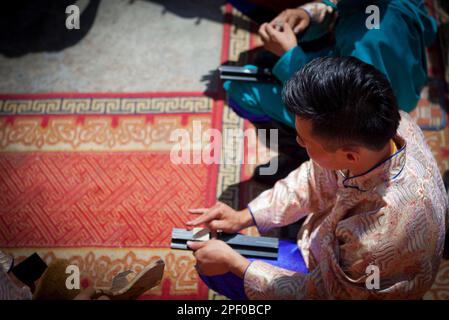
(300, 27)
(195, 245)
(287, 27)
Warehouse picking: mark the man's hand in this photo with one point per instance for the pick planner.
(222, 217)
(297, 19)
(278, 42)
(215, 257)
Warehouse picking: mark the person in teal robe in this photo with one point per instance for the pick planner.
(396, 48)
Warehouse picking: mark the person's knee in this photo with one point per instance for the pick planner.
(242, 93)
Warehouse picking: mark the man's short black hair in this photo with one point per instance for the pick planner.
(349, 102)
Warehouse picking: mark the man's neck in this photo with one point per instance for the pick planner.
(373, 158)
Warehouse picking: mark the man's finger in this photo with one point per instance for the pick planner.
(216, 225)
(263, 32)
(272, 32)
(198, 210)
(205, 218)
(287, 28)
(277, 24)
(276, 21)
(195, 245)
(300, 27)
(293, 21)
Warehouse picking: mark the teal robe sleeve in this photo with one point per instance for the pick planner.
(397, 48)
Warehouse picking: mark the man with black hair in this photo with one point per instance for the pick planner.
(373, 198)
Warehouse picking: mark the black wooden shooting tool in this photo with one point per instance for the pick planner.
(248, 246)
(246, 74)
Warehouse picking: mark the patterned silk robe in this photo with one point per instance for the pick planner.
(8, 289)
(393, 217)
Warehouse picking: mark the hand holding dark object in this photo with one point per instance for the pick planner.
(275, 41)
(297, 19)
(215, 257)
(221, 217)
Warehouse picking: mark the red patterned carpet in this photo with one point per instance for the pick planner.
(83, 182)
(69, 199)
(88, 177)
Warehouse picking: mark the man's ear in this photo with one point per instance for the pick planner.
(349, 155)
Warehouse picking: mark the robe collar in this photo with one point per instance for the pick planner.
(384, 172)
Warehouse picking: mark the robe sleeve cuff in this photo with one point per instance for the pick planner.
(258, 279)
(289, 63)
(261, 216)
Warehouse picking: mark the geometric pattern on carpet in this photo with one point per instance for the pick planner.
(104, 209)
(105, 199)
(88, 178)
